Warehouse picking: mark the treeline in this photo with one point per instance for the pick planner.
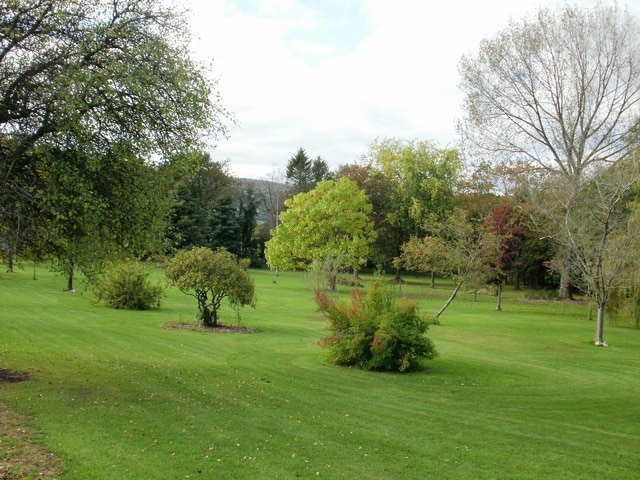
(103, 116)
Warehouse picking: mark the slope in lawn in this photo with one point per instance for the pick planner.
(514, 394)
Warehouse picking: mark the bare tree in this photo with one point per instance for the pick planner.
(560, 90)
(600, 225)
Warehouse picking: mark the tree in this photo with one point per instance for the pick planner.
(378, 189)
(327, 229)
(456, 249)
(559, 90)
(247, 220)
(422, 178)
(210, 276)
(602, 230)
(502, 221)
(200, 194)
(92, 75)
(224, 230)
(97, 208)
(319, 171)
(299, 171)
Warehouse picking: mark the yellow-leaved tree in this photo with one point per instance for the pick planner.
(327, 230)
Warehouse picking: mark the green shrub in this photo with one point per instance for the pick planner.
(376, 331)
(125, 285)
(210, 276)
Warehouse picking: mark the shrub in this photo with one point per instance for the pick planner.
(376, 331)
(210, 276)
(125, 285)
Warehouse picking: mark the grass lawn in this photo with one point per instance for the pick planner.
(517, 394)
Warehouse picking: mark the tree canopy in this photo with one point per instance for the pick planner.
(94, 95)
(328, 229)
(560, 89)
(100, 72)
(211, 276)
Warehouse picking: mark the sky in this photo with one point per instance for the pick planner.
(333, 76)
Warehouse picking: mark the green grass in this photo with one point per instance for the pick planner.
(517, 394)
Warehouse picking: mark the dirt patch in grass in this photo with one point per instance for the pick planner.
(20, 456)
(11, 376)
(220, 328)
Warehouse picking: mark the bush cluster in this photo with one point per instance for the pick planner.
(125, 285)
(376, 331)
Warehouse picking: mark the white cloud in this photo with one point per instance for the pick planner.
(331, 76)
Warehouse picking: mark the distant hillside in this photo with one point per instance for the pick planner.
(264, 185)
(272, 194)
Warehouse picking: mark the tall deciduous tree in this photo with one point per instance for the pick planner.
(378, 188)
(328, 229)
(560, 90)
(602, 230)
(98, 207)
(86, 76)
(119, 66)
(423, 181)
(456, 248)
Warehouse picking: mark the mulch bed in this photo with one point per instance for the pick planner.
(220, 328)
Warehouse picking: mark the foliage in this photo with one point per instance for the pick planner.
(90, 91)
(304, 174)
(625, 303)
(420, 182)
(456, 249)
(601, 226)
(375, 331)
(97, 73)
(210, 276)
(97, 207)
(202, 210)
(299, 171)
(328, 226)
(559, 91)
(248, 203)
(378, 188)
(126, 285)
(224, 228)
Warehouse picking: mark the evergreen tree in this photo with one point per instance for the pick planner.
(299, 171)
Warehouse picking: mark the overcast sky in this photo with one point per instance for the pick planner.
(331, 76)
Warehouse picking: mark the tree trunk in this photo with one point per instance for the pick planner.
(433, 279)
(9, 257)
(599, 340)
(333, 280)
(70, 282)
(499, 304)
(208, 316)
(448, 302)
(565, 286)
